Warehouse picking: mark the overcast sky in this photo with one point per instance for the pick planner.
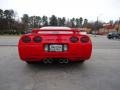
(91, 9)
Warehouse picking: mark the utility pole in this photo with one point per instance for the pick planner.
(96, 24)
(119, 25)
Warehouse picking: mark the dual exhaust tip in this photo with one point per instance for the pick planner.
(49, 60)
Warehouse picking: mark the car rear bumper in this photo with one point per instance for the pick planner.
(37, 53)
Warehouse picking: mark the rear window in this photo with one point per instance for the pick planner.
(55, 32)
(55, 28)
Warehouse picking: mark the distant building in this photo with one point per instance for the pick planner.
(107, 27)
(88, 30)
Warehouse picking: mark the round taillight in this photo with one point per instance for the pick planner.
(74, 39)
(84, 39)
(26, 39)
(37, 39)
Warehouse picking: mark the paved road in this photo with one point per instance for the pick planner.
(9, 40)
(101, 72)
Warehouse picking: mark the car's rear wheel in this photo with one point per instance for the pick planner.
(109, 37)
(30, 62)
(81, 61)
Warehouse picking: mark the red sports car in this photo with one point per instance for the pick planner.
(55, 44)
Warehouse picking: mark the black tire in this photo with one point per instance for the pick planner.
(30, 62)
(109, 37)
(81, 61)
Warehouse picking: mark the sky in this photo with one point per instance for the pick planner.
(105, 10)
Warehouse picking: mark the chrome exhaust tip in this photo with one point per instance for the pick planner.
(63, 61)
(66, 61)
(45, 61)
(49, 60)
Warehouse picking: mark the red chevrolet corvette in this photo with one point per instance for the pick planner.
(55, 44)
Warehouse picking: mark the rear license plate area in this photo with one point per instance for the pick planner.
(55, 48)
